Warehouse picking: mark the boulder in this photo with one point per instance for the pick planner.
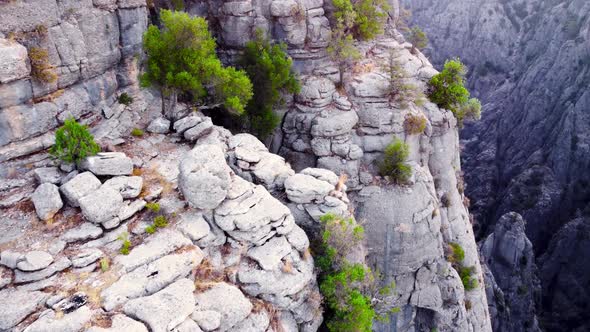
(166, 309)
(101, 205)
(208, 320)
(47, 201)
(16, 305)
(128, 186)
(47, 175)
(34, 261)
(199, 130)
(86, 257)
(78, 187)
(258, 321)
(57, 266)
(108, 163)
(204, 177)
(226, 299)
(5, 277)
(121, 323)
(14, 62)
(159, 126)
(86, 231)
(194, 226)
(70, 322)
(271, 253)
(301, 188)
(10, 258)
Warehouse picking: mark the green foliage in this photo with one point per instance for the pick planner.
(126, 246)
(417, 38)
(178, 5)
(137, 132)
(104, 264)
(73, 142)
(153, 207)
(349, 289)
(41, 68)
(447, 90)
(370, 18)
(394, 162)
(160, 222)
(400, 91)
(414, 124)
(466, 273)
(151, 229)
(125, 99)
(342, 49)
(270, 70)
(182, 58)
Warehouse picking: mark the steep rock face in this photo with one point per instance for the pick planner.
(512, 286)
(530, 65)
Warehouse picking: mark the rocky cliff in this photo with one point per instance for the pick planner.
(233, 255)
(530, 65)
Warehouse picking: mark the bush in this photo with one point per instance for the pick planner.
(370, 18)
(137, 132)
(126, 246)
(414, 124)
(104, 264)
(153, 207)
(125, 99)
(160, 222)
(417, 38)
(181, 58)
(466, 273)
(270, 70)
(447, 90)
(394, 162)
(457, 253)
(350, 289)
(41, 69)
(73, 142)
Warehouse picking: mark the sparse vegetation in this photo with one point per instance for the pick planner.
(402, 92)
(341, 48)
(414, 124)
(160, 222)
(153, 207)
(446, 200)
(417, 38)
(73, 142)
(394, 162)
(104, 264)
(182, 59)
(270, 70)
(126, 245)
(125, 99)
(41, 68)
(137, 132)
(350, 290)
(370, 18)
(447, 90)
(466, 273)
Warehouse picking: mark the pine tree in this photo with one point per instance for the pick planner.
(73, 142)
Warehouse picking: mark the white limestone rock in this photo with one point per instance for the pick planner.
(108, 163)
(128, 186)
(34, 261)
(226, 299)
(101, 205)
(78, 187)
(47, 201)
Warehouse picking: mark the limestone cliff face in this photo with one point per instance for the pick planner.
(530, 65)
(253, 242)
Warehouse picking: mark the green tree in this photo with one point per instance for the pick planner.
(417, 38)
(370, 18)
(182, 59)
(394, 162)
(73, 142)
(341, 48)
(447, 90)
(270, 70)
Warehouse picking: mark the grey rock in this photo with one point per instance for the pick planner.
(322, 174)
(298, 238)
(14, 61)
(186, 123)
(199, 130)
(70, 322)
(56, 247)
(334, 123)
(48, 174)
(128, 186)
(11, 314)
(204, 177)
(165, 309)
(156, 246)
(57, 266)
(78, 187)
(34, 261)
(10, 258)
(101, 205)
(194, 226)
(255, 322)
(188, 325)
(271, 253)
(86, 257)
(121, 323)
(301, 188)
(128, 210)
(159, 126)
(5, 277)
(150, 278)
(47, 201)
(226, 299)
(26, 121)
(208, 320)
(108, 163)
(86, 231)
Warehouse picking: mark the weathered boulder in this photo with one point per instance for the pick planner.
(47, 174)
(70, 322)
(166, 309)
(101, 205)
(227, 300)
(159, 126)
(121, 323)
(108, 163)
(34, 261)
(271, 253)
(14, 62)
(208, 320)
(128, 186)
(86, 231)
(204, 177)
(78, 187)
(57, 266)
(301, 188)
(11, 314)
(47, 201)
(86, 257)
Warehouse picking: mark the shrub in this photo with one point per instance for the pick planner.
(447, 90)
(466, 273)
(342, 50)
(104, 264)
(394, 162)
(151, 229)
(137, 132)
(41, 68)
(153, 207)
(350, 289)
(125, 99)
(126, 246)
(457, 253)
(181, 58)
(414, 124)
(370, 18)
(160, 222)
(73, 142)
(270, 70)
(417, 38)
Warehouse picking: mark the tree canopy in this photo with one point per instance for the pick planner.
(181, 58)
